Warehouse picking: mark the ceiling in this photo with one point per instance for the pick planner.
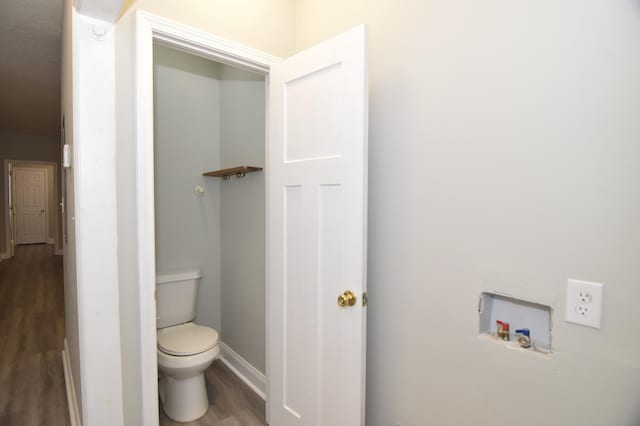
(30, 49)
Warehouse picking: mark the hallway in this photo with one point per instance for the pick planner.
(32, 390)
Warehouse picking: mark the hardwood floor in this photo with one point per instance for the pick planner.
(232, 402)
(32, 390)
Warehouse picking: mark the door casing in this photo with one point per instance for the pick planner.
(149, 29)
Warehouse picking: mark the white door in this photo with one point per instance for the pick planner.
(30, 205)
(317, 212)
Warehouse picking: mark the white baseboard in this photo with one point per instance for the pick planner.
(245, 371)
(72, 401)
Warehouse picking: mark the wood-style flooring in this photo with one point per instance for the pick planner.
(32, 390)
(233, 403)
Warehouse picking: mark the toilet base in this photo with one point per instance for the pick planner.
(184, 400)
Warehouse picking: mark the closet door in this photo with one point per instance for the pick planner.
(317, 211)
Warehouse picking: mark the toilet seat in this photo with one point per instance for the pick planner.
(186, 339)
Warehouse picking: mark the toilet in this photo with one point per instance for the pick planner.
(185, 349)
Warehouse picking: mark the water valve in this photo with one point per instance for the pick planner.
(503, 330)
(524, 339)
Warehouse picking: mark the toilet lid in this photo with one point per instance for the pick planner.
(186, 339)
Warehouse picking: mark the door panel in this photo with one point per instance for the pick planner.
(303, 117)
(30, 204)
(317, 233)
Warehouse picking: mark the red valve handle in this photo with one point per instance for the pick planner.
(505, 325)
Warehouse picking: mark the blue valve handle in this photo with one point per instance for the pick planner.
(524, 331)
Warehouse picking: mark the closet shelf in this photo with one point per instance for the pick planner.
(233, 171)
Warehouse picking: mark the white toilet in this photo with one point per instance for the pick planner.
(185, 349)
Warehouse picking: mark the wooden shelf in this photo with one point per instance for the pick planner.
(233, 171)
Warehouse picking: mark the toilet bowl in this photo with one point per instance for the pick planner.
(185, 349)
(184, 352)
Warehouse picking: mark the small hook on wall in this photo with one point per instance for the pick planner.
(199, 190)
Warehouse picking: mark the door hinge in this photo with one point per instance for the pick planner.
(365, 300)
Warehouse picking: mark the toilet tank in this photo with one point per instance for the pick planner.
(176, 294)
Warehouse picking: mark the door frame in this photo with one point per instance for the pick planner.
(50, 186)
(149, 29)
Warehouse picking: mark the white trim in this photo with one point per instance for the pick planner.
(245, 371)
(72, 401)
(150, 28)
(5, 207)
(156, 28)
(145, 220)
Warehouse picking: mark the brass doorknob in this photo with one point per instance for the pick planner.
(346, 299)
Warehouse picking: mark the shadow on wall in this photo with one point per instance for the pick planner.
(126, 6)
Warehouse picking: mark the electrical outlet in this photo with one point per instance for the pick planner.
(584, 303)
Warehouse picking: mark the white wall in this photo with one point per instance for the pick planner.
(187, 143)
(91, 284)
(266, 25)
(127, 245)
(95, 221)
(243, 215)
(504, 155)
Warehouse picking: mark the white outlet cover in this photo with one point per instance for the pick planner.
(584, 303)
